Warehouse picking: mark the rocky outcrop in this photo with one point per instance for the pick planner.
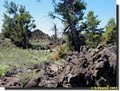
(38, 35)
(89, 68)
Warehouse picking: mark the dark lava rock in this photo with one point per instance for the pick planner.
(33, 83)
(9, 81)
(100, 46)
(85, 69)
(102, 82)
(38, 34)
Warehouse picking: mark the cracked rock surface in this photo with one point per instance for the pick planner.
(90, 67)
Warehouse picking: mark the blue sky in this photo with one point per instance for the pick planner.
(105, 9)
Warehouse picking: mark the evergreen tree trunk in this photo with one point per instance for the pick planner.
(75, 37)
(73, 29)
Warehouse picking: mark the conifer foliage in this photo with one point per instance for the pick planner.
(17, 24)
(92, 32)
(110, 36)
(71, 13)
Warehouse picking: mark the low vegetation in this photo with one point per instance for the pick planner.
(3, 69)
(81, 35)
(15, 57)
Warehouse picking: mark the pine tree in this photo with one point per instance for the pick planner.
(92, 33)
(110, 35)
(71, 12)
(17, 24)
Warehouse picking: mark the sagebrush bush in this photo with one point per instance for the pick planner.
(62, 51)
(3, 70)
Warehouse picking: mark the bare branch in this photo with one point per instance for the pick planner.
(66, 29)
(60, 18)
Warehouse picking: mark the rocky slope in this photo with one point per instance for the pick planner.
(40, 38)
(89, 68)
(38, 34)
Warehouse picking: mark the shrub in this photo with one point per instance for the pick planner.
(3, 70)
(96, 39)
(56, 56)
(62, 51)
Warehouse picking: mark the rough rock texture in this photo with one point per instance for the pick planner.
(38, 34)
(90, 67)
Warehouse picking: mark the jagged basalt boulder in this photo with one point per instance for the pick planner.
(89, 68)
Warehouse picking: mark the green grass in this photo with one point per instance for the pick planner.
(3, 69)
(15, 57)
(40, 42)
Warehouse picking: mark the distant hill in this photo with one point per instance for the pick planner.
(38, 34)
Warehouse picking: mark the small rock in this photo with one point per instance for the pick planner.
(100, 46)
(102, 82)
